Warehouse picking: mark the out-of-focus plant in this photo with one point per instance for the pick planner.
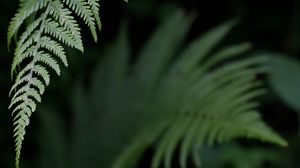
(285, 79)
(235, 155)
(171, 99)
(239, 157)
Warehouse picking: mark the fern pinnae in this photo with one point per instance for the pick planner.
(171, 137)
(41, 45)
(63, 15)
(29, 31)
(186, 143)
(192, 55)
(54, 47)
(82, 9)
(26, 9)
(225, 53)
(174, 140)
(54, 29)
(95, 9)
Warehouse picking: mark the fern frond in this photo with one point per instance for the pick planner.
(200, 100)
(39, 48)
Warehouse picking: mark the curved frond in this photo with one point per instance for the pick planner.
(40, 47)
(202, 100)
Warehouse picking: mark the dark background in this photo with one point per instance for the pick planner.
(268, 25)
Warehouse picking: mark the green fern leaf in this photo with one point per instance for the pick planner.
(200, 100)
(39, 48)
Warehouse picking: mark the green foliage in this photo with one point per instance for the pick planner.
(50, 25)
(284, 78)
(196, 100)
(170, 99)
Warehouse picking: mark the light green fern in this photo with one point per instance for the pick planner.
(50, 24)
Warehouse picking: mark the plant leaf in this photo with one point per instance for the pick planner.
(285, 79)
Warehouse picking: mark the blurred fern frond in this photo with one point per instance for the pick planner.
(170, 99)
(197, 99)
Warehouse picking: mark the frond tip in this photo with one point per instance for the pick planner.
(39, 48)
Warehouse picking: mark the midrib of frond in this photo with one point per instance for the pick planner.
(249, 131)
(37, 46)
(24, 8)
(19, 130)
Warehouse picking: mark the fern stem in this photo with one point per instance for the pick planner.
(30, 76)
(38, 45)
